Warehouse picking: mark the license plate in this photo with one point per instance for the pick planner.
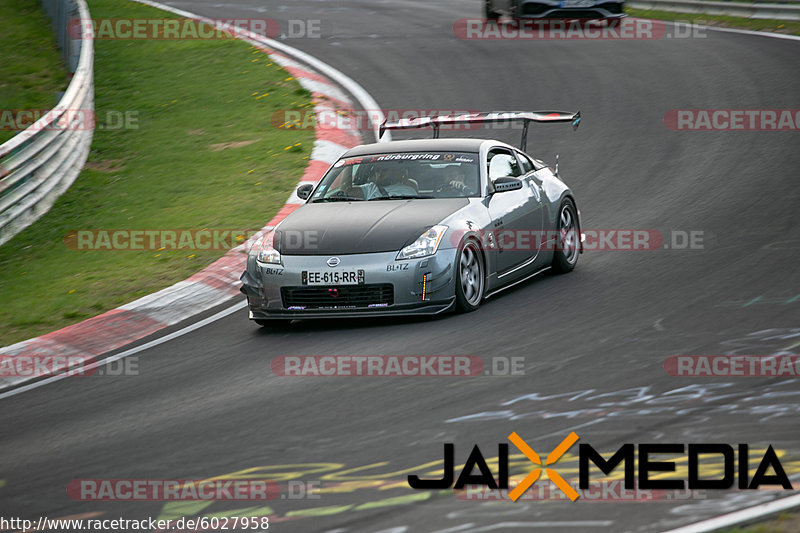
(333, 277)
(577, 3)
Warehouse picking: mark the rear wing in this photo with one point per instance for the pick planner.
(526, 117)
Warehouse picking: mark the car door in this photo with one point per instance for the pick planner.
(544, 177)
(516, 216)
(533, 179)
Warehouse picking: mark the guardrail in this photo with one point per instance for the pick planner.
(40, 163)
(751, 10)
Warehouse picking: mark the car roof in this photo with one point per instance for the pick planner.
(419, 145)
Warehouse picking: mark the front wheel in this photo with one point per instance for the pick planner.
(488, 10)
(567, 250)
(469, 277)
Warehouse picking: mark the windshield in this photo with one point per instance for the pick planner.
(401, 176)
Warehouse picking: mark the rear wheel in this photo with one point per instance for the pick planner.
(469, 277)
(566, 255)
(488, 10)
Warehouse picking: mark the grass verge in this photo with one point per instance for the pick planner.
(768, 25)
(196, 150)
(31, 71)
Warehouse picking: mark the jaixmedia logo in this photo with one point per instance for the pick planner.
(590, 462)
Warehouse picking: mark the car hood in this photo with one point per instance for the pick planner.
(340, 228)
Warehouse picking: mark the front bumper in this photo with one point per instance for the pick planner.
(575, 9)
(386, 286)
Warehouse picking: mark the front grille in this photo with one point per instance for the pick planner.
(575, 14)
(341, 297)
(534, 10)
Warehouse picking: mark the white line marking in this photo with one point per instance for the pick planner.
(573, 523)
(751, 32)
(725, 30)
(736, 517)
(146, 346)
(455, 529)
(795, 345)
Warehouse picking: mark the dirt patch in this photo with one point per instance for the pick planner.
(106, 165)
(236, 144)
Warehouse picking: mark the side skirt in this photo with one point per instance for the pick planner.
(526, 278)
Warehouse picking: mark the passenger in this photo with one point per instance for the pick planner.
(389, 181)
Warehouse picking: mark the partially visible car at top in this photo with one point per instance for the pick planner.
(554, 9)
(417, 227)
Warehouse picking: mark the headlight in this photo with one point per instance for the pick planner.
(266, 253)
(426, 245)
(256, 245)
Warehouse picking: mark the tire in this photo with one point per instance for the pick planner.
(470, 278)
(565, 257)
(488, 12)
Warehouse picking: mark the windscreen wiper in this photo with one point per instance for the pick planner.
(401, 197)
(338, 199)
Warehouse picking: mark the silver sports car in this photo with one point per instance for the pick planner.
(417, 227)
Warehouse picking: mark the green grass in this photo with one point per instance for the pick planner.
(31, 71)
(774, 26)
(783, 523)
(186, 96)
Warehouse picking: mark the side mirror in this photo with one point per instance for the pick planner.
(304, 191)
(506, 183)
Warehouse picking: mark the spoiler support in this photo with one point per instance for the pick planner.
(526, 117)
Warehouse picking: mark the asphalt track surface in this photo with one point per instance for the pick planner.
(594, 341)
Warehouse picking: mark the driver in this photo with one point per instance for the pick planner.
(455, 179)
